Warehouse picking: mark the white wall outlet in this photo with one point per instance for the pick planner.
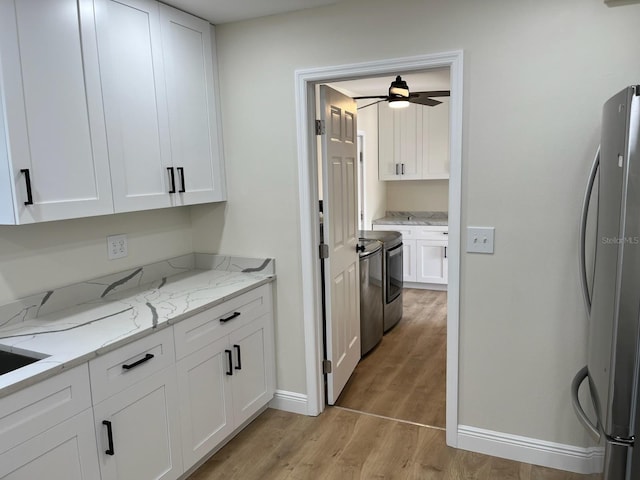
(480, 239)
(117, 246)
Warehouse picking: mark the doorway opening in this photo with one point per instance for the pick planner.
(306, 80)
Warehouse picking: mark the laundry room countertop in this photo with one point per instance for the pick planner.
(439, 219)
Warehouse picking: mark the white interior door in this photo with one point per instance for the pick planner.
(339, 148)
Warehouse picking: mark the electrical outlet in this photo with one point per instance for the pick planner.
(480, 239)
(117, 246)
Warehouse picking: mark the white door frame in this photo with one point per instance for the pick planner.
(305, 81)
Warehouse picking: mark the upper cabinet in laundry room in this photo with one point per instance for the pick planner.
(53, 152)
(158, 74)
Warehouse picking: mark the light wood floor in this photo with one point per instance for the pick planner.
(341, 445)
(404, 377)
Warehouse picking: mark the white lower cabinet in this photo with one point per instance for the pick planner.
(152, 418)
(424, 259)
(228, 380)
(46, 430)
(66, 451)
(431, 261)
(409, 260)
(137, 431)
(205, 400)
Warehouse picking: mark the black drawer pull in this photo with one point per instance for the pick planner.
(402, 168)
(230, 317)
(146, 358)
(237, 349)
(27, 179)
(445, 252)
(230, 360)
(109, 451)
(172, 179)
(181, 173)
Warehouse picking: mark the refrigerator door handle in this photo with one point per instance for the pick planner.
(584, 419)
(583, 231)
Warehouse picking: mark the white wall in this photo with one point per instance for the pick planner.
(536, 75)
(418, 195)
(376, 191)
(35, 258)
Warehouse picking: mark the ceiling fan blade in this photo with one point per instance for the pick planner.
(374, 103)
(432, 93)
(429, 102)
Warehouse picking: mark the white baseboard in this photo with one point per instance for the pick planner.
(530, 450)
(289, 402)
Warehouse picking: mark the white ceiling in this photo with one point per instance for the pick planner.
(225, 11)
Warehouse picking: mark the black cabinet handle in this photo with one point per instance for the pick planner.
(402, 168)
(230, 359)
(27, 179)
(172, 179)
(237, 349)
(396, 169)
(146, 358)
(445, 252)
(109, 451)
(181, 173)
(230, 317)
(359, 248)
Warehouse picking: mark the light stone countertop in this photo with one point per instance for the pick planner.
(120, 308)
(440, 219)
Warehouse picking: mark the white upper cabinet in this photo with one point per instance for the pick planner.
(131, 63)
(104, 111)
(53, 152)
(159, 93)
(413, 142)
(196, 151)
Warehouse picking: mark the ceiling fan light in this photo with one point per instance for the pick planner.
(399, 88)
(398, 103)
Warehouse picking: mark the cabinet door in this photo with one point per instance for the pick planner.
(129, 45)
(435, 141)
(144, 429)
(409, 260)
(193, 122)
(206, 412)
(253, 382)
(431, 262)
(66, 451)
(387, 169)
(53, 107)
(408, 144)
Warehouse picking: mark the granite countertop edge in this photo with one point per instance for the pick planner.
(57, 363)
(436, 219)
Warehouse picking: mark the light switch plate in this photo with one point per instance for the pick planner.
(117, 246)
(480, 239)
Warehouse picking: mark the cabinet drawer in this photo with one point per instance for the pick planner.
(126, 366)
(206, 327)
(432, 233)
(34, 409)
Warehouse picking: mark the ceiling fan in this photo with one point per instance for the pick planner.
(399, 96)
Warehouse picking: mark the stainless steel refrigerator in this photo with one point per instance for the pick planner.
(612, 293)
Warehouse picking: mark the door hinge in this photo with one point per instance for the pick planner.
(326, 366)
(320, 128)
(324, 250)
